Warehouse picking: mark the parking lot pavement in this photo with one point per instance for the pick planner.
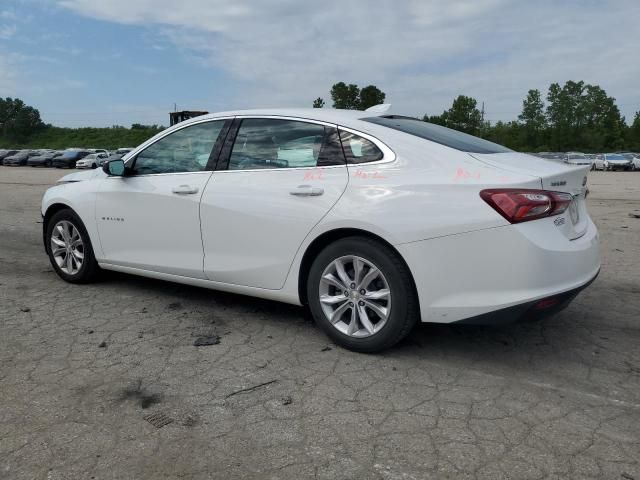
(104, 381)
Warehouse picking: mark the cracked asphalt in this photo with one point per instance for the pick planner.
(88, 373)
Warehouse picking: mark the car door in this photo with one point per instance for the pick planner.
(149, 219)
(275, 180)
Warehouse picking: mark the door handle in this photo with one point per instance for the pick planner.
(306, 191)
(185, 190)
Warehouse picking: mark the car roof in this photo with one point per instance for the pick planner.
(329, 115)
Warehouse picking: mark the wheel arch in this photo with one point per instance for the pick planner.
(50, 212)
(325, 239)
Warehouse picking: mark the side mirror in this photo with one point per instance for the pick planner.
(114, 168)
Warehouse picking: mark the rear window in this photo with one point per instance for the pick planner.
(439, 134)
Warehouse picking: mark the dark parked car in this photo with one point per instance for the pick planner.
(19, 159)
(69, 158)
(45, 159)
(6, 153)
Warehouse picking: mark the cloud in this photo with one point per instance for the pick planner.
(422, 53)
(8, 76)
(7, 31)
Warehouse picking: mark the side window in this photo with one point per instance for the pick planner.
(272, 143)
(185, 150)
(358, 149)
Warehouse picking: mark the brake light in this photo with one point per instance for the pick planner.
(522, 205)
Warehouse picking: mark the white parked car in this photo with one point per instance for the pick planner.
(93, 160)
(373, 221)
(123, 150)
(634, 158)
(612, 161)
(577, 158)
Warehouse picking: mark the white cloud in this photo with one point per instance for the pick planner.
(8, 77)
(422, 53)
(7, 31)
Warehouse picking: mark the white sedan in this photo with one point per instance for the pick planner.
(374, 221)
(93, 160)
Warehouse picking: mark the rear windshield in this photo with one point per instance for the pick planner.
(436, 133)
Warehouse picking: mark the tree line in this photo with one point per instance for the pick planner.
(575, 117)
(22, 127)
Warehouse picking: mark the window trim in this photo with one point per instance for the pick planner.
(223, 159)
(213, 156)
(388, 155)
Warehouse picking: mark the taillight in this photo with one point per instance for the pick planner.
(522, 205)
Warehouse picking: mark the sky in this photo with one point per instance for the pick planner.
(108, 62)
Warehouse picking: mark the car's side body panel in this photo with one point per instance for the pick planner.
(252, 224)
(144, 224)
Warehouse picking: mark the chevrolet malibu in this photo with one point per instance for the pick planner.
(374, 221)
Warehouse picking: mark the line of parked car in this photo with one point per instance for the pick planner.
(599, 161)
(68, 158)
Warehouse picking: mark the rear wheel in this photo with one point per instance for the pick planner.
(69, 248)
(361, 294)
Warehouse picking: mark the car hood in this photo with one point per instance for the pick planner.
(80, 176)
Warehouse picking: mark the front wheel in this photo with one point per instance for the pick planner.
(362, 295)
(69, 248)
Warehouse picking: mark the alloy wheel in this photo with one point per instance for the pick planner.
(355, 296)
(67, 247)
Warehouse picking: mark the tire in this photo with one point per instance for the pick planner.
(88, 269)
(400, 305)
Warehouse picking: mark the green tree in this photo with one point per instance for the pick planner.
(318, 102)
(463, 115)
(633, 134)
(584, 117)
(345, 96)
(370, 96)
(350, 97)
(17, 120)
(533, 120)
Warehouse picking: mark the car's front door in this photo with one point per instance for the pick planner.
(272, 186)
(149, 219)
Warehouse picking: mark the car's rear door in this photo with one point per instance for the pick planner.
(150, 218)
(275, 180)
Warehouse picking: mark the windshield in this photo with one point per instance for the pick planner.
(577, 156)
(615, 156)
(70, 154)
(438, 134)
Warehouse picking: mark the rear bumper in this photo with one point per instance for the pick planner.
(529, 311)
(470, 275)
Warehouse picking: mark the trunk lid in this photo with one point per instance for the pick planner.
(554, 176)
